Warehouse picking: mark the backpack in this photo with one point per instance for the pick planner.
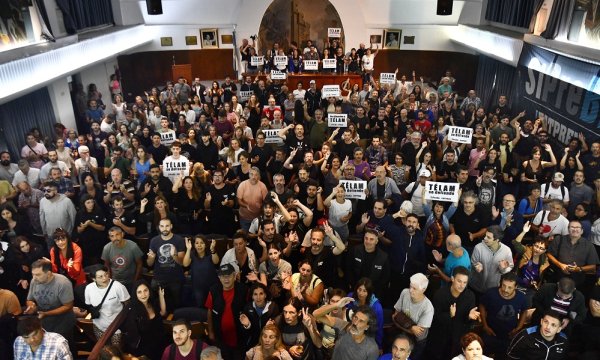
(562, 189)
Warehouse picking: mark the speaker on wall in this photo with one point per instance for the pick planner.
(154, 7)
(444, 7)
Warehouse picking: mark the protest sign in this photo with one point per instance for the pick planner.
(311, 64)
(257, 60)
(334, 32)
(167, 138)
(174, 167)
(337, 120)
(387, 78)
(441, 191)
(278, 75)
(329, 63)
(245, 95)
(460, 134)
(330, 91)
(272, 136)
(280, 60)
(355, 189)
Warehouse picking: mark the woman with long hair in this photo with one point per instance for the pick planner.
(160, 211)
(269, 345)
(91, 223)
(67, 257)
(90, 187)
(118, 108)
(300, 335)
(532, 264)
(242, 171)
(491, 160)
(144, 329)
(340, 211)
(11, 224)
(569, 164)
(256, 314)
(65, 154)
(424, 160)
(187, 204)
(201, 176)
(124, 137)
(332, 170)
(25, 253)
(399, 171)
(232, 152)
(140, 167)
(363, 295)
(204, 274)
(533, 169)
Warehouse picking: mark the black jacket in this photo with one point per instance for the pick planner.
(257, 322)
(379, 273)
(239, 300)
(529, 344)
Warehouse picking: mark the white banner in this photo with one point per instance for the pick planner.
(272, 136)
(441, 191)
(330, 91)
(278, 75)
(329, 63)
(334, 32)
(167, 138)
(311, 64)
(257, 60)
(280, 60)
(387, 78)
(460, 134)
(337, 120)
(355, 189)
(245, 95)
(172, 168)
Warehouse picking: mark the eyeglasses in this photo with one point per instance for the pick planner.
(47, 189)
(575, 227)
(539, 247)
(60, 238)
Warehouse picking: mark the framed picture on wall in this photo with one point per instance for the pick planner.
(191, 40)
(209, 38)
(391, 39)
(166, 41)
(226, 39)
(375, 39)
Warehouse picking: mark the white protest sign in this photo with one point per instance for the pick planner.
(280, 60)
(355, 189)
(441, 191)
(329, 63)
(337, 120)
(311, 64)
(272, 136)
(387, 78)
(173, 167)
(257, 60)
(245, 95)
(330, 91)
(460, 134)
(167, 138)
(278, 75)
(334, 32)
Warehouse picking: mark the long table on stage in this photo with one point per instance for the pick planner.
(320, 78)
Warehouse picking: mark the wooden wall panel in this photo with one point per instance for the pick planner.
(141, 71)
(430, 64)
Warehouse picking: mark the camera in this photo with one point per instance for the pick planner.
(253, 37)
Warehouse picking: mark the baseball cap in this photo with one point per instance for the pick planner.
(558, 177)
(225, 269)
(312, 82)
(425, 172)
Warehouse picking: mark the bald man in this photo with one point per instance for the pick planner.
(457, 256)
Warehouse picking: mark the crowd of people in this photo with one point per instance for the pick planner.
(132, 212)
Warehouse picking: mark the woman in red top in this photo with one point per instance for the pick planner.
(66, 257)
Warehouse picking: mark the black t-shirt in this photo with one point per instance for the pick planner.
(264, 154)
(361, 124)
(292, 142)
(229, 91)
(158, 153)
(449, 170)
(343, 150)
(465, 224)
(219, 212)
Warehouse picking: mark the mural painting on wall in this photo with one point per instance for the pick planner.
(297, 20)
(592, 19)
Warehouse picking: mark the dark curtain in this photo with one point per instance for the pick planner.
(82, 14)
(559, 19)
(494, 78)
(536, 9)
(17, 117)
(510, 12)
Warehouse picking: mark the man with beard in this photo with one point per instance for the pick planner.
(56, 211)
(165, 257)
(379, 122)
(250, 195)
(7, 169)
(183, 347)
(219, 199)
(280, 189)
(27, 174)
(491, 259)
(410, 148)
(376, 154)
(313, 95)
(314, 200)
(579, 192)
(469, 222)
(383, 187)
(29, 202)
(455, 310)
(345, 148)
(65, 185)
(322, 257)
(260, 155)
(509, 220)
(355, 340)
(370, 261)
(501, 109)
(207, 151)
(158, 151)
(296, 143)
(522, 149)
(156, 184)
(449, 170)
(199, 90)
(52, 163)
(592, 164)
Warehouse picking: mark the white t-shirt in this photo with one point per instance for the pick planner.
(112, 305)
(421, 313)
(559, 226)
(337, 210)
(299, 94)
(368, 61)
(173, 167)
(555, 193)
